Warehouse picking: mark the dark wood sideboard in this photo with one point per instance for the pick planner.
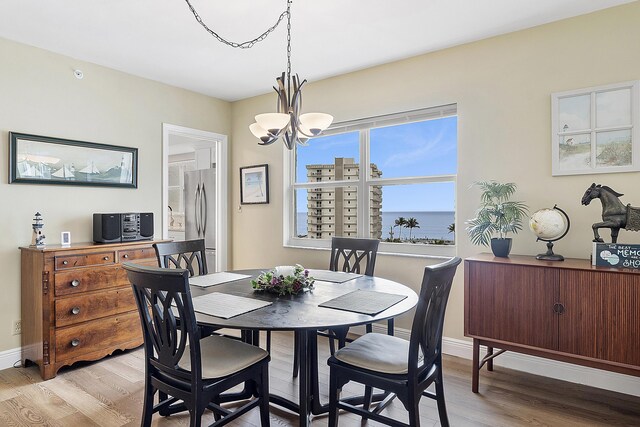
(569, 311)
(77, 303)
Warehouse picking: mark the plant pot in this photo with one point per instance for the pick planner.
(501, 247)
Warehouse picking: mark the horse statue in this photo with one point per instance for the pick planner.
(615, 215)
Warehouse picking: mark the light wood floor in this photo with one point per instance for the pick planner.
(109, 393)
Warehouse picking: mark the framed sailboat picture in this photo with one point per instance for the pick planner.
(35, 159)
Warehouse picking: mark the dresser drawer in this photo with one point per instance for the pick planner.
(74, 341)
(134, 254)
(82, 308)
(84, 260)
(82, 280)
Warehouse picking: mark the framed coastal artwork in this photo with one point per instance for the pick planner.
(595, 130)
(254, 185)
(35, 159)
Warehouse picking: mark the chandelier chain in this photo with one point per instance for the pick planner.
(289, 39)
(249, 43)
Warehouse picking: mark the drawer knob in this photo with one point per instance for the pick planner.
(106, 258)
(75, 342)
(125, 256)
(75, 310)
(75, 283)
(65, 262)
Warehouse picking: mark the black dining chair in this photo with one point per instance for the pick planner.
(188, 254)
(191, 372)
(349, 255)
(404, 369)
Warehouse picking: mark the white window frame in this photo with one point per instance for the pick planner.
(364, 183)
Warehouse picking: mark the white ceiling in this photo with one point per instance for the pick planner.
(160, 39)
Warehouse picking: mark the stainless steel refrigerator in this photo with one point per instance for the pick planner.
(200, 210)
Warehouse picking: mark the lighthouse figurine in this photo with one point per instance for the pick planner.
(37, 240)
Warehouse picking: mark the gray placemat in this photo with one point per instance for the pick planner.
(333, 276)
(364, 302)
(226, 306)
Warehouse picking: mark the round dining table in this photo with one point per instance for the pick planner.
(302, 314)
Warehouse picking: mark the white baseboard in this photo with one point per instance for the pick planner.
(9, 357)
(613, 381)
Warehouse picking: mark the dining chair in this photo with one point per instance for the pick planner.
(349, 255)
(402, 368)
(188, 254)
(192, 372)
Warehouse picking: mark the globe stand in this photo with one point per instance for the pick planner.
(549, 255)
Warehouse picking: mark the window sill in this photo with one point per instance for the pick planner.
(385, 249)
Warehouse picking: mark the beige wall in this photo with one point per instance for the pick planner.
(40, 95)
(502, 87)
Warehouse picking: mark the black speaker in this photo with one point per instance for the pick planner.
(146, 225)
(107, 228)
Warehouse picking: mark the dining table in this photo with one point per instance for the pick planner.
(303, 315)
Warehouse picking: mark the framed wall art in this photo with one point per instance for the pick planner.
(35, 159)
(254, 185)
(595, 130)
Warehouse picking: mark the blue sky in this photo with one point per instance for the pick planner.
(414, 149)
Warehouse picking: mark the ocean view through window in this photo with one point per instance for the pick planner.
(391, 178)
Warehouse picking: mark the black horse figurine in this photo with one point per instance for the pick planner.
(615, 215)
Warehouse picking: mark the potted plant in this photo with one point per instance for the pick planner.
(496, 215)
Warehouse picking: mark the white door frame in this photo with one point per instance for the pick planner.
(219, 143)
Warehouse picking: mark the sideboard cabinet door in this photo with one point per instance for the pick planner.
(602, 315)
(513, 303)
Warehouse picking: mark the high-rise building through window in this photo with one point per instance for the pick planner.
(333, 211)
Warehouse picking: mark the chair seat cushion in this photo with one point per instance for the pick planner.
(377, 352)
(223, 356)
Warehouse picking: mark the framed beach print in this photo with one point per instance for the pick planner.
(595, 130)
(254, 185)
(35, 159)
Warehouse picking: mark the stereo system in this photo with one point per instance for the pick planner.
(122, 227)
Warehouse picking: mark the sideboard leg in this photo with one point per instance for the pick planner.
(490, 361)
(475, 373)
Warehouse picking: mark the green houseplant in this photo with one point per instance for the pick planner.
(497, 215)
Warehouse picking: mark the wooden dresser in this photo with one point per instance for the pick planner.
(565, 310)
(77, 303)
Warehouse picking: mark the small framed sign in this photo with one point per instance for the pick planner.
(65, 239)
(254, 185)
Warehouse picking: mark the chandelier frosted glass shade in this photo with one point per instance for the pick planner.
(315, 122)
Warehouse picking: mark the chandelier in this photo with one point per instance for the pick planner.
(286, 122)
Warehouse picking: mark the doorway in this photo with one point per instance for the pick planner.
(189, 154)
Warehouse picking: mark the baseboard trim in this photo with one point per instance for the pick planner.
(612, 381)
(8, 358)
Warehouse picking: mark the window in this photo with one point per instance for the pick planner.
(397, 172)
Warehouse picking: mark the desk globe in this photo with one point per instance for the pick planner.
(550, 225)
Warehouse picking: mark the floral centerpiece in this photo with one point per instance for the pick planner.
(284, 280)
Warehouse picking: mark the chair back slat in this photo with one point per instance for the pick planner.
(188, 254)
(161, 296)
(353, 255)
(428, 322)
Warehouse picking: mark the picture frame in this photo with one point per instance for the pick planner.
(595, 130)
(35, 159)
(254, 185)
(65, 239)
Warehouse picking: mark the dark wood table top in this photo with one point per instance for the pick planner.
(301, 311)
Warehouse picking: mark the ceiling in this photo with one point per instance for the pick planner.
(161, 40)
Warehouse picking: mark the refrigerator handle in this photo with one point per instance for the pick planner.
(197, 209)
(203, 203)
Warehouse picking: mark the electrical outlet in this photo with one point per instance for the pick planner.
(17, 327)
